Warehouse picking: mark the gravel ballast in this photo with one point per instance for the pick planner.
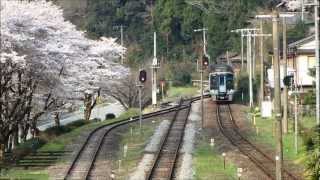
(152, 147)
(185, 172)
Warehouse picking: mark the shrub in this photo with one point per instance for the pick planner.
(57, 131)
(309, 98)
(243, 87)
(27, 147)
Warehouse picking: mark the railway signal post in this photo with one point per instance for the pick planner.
(142, 80)
(204, 30)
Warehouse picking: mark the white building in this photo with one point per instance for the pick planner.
(301, 59)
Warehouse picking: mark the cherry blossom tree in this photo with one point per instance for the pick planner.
(56, 62)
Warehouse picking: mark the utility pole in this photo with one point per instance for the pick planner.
(154, 67)
(242, 32)
(121, 29)
(201, 68)
(277, 89)
(296, 112)
(228, 60)
(316, 19)
(277, 94)
(302, 10)
(121, 40)
(317, 57)
(254, 58)
(242, 39)
(249, 33)
(249, 61)
(285, 88)
(261, 66)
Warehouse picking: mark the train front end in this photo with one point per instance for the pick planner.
(221, 83)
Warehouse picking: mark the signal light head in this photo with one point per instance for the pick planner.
(143, 76)
(205, 61)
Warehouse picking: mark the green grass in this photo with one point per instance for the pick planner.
(136, 143)
(59, 143)
(208, 163)
(309, 122)
(25, 174)
(266, 135)
(175, 92)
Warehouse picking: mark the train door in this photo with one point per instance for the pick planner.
(222, 84)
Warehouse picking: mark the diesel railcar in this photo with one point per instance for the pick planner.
(221, 82)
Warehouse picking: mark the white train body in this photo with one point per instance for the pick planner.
(221, 83)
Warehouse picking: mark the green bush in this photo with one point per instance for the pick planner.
(56, 131)
(27, 147)
(129, 113)
(311, 138)
(180, 73)
(310, 98)
(243, 87)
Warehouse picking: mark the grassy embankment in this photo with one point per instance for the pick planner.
(135, 142)
(176, 92)
(59, 143)
(265, 134)
(208, 163)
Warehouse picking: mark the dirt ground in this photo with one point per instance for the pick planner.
(232, 153)
(107, 159)
(246, 129)
(250, 171)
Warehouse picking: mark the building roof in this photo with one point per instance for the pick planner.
(306, 45)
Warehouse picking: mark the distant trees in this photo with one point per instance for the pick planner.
(126, 92)
(45, 64)
(174, 20)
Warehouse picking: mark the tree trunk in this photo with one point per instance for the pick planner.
(15, 138)
(167, 39)
(2, 152)
(57, 119)
(24, 132)
(87, 106)
(9, 144)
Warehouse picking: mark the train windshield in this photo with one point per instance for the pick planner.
(221, 80)
(213, 82)
(229, 81)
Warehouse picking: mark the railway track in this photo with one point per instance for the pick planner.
(164, 164)
(83, 162)
(230, 130)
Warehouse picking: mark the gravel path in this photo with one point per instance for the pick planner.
(152, 147)
(155, 140)
(185, 172)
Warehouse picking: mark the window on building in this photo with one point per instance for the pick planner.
(311, 62)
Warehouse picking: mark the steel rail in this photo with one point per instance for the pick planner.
(112, 126)
(157, 158)
(253, 158)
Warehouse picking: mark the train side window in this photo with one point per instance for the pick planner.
(213, 82)
(230, 81)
